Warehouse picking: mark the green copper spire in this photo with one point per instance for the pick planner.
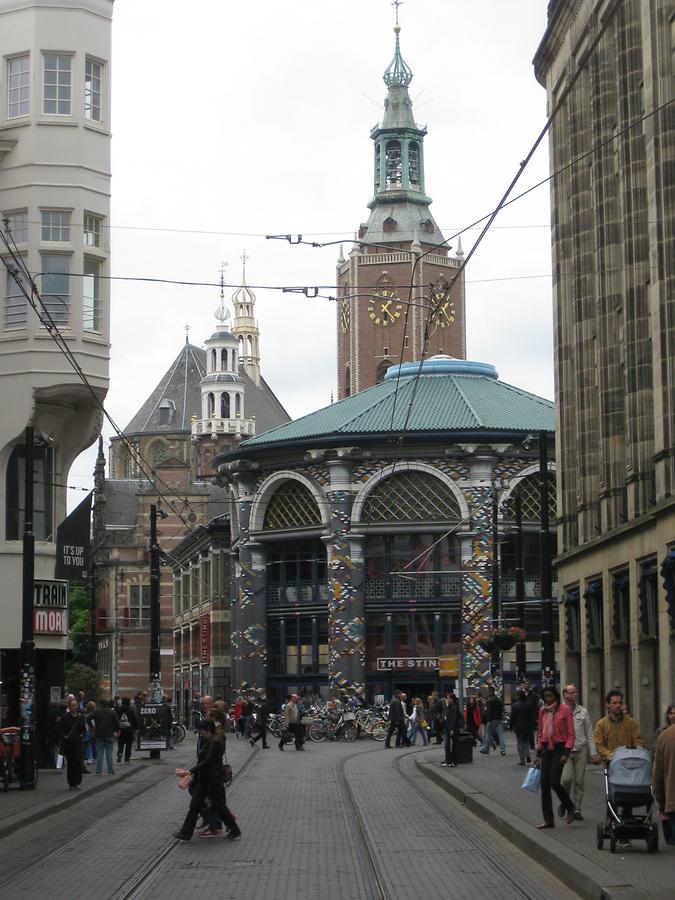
(397, 73)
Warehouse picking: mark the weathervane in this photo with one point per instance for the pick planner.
(243, 259)
(397, 3)
(223, 266)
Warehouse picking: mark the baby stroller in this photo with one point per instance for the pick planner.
(628, 786)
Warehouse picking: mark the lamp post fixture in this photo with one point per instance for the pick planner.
(27, 686)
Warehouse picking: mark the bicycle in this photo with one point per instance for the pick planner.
(178, 732)
(10, 750)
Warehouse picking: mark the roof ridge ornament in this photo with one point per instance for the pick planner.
(222, 314)
(397, 73)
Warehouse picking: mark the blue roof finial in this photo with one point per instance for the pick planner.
(397, 73)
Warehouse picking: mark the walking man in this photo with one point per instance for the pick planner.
(494, 725)
(106, 726)
(263, 713)
(291, 722)
(616, 729)
(584, 748)
(452, 722)
(396, 722)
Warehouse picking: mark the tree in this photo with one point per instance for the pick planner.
(79, 608)
(82, 678)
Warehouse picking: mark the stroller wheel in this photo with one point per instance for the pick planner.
(600, 835)
(612, 841)
(653, 840)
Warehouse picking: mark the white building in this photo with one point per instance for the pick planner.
(55, 200)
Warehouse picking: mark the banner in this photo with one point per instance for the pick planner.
(153, 727)
(73, 543)
(205, 638)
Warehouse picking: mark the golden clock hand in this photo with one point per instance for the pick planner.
(385, 306)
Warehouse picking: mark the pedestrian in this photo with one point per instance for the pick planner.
(452, 723)
(262, 716)
(237, 714)
(246, 719)
(472, 718)
(418, 722)
(663, 779)
(616, 729)
(436, 714)
(72, 730)
(207, 777)
(106, 726)
(555, 740)
(668, 721)
(494, 727)
(89, 748)
(534, 700)
(128, 727)
(574, 773)
(396, 721)
(520, 723)
(291, 723)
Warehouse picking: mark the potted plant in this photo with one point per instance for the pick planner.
(500, 637)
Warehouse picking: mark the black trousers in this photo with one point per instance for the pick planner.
(551, 770)
(262, 733)
(73, 758)
(401, 734)
(214, 792)
(124, 744)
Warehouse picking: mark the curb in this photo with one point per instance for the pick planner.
(13, 824)
(581, 875)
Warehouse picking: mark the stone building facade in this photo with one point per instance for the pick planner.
(608, 71)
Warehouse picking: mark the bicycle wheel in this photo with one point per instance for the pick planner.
(349, 732)
(178, 732)
(379, 731)
(318, 731)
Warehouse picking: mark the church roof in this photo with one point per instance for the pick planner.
(180, 388)
(450, 398)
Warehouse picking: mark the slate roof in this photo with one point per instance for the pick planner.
(180, 385)
(472, 404)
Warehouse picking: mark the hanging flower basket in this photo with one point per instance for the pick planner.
(500, 638)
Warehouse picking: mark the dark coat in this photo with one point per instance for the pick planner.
(209, 765)
(494, 709)
(72, 730)
(106, 723)
(521, 717)
(452, 717)
(396, 713)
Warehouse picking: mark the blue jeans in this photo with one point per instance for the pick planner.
(494, 728)
(449, 747)
(523, 741)
(104, 745)
(422, 731)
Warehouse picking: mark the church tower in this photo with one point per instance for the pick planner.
(246, 328)
(399, 293)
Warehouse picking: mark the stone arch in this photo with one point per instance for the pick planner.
(397, 469)
(524, 478)
(270, 486)
(156, 452)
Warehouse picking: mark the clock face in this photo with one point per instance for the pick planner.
(444, 308)
(345, 316)
(384, 307)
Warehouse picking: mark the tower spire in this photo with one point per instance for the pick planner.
(245, 327)
(397, 73)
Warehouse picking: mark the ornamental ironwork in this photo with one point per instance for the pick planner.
(411, 497)
(291, 506)
(531, 500)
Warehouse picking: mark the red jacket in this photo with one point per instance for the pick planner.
(563, 727)
(472, 716)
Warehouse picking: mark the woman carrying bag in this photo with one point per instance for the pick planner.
(207, 777)
(72, 730)
(555, 740)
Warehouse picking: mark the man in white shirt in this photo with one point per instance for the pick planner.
(584, 747)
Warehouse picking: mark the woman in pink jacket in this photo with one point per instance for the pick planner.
(555, 740)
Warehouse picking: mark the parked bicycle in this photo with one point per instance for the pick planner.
(325, 728)
(178, 732)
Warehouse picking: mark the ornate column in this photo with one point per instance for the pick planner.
(249, 641)
(346, 610)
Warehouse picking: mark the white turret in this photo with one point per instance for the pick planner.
(246, 328)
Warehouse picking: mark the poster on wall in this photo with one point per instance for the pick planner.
(153, 727)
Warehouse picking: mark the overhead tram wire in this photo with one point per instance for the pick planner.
(19, 272)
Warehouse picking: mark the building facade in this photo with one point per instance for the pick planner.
(608, 72)
(360, 559)
(400, 292)
(55, 205)
(205, 403)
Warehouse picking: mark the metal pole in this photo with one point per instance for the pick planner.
(547, 649)
(521, 664)
(155, 658)
(96, 570)
(27, 686)
(496, 669)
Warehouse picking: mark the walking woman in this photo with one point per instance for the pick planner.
(555, 740)
(418, 722)
(472, 717)
(72, 734)
(207, 777)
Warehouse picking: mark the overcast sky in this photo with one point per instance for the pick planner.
(233, 120)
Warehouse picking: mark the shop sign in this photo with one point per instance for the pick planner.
(50, 607)
(448, 666)
(205, 638)
(153, 727)
(407, 663)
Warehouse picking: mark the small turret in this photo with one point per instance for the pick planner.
(246, 327)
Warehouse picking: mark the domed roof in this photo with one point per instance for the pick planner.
(452, 399)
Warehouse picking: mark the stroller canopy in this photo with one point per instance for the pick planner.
(630, 767)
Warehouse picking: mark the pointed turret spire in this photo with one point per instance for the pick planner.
(245, 326)
(459, 252)
(397, 73)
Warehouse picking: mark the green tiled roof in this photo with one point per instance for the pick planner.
(437, 403)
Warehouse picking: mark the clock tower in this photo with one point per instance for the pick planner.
(400, 296)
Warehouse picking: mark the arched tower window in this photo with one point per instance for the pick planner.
(223, 360)
(237, 405)
(378, 156)
(394, 169)
(249, 345)
(210, 405)
(235, 362)
(411, 497)
(414, 163)
(348, 387)
(225, 406)
(389, 224)
(291, 506)
(214, 360)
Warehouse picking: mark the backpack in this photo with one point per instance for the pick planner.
(124, 721)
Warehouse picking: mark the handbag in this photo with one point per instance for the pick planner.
(532, 780)
(227, 772)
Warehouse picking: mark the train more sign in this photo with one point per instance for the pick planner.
(50, 607)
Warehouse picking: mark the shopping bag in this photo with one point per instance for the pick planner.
(532, 780)
(59, 762)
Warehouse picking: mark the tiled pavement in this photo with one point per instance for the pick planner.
(301, 839)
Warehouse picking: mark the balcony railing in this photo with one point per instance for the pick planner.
(300, 593)
(419, 587)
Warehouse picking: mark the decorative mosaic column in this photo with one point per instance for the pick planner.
(476, 550)
(249, 641)
(346, 611)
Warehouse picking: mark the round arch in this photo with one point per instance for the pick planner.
(269, 487)
(397, 468)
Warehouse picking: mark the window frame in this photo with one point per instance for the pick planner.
(9, 280)
(22, 228)
(92, 224)
(136, 617)
(93, 61)
(92, 306)
(56, 308)
(57, 99)
(18, 58)
(51, 226)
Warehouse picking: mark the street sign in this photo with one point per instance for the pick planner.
(406, 663)
(50, 607)
(153, 727)
(448, 666)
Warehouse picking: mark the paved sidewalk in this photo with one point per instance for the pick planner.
(490, 787)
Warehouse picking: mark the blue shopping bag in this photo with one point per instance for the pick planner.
(532, 780)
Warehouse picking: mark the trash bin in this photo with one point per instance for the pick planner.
(464, 748)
